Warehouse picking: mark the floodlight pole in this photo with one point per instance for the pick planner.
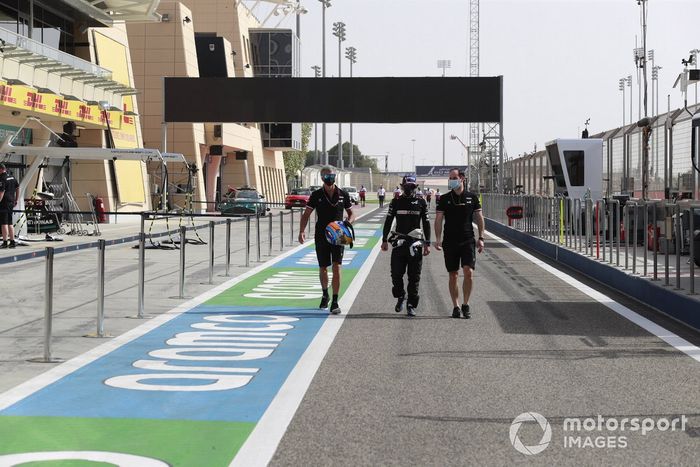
(351, 55)
(646, 128)
(325, 4)
(339, 32)
(317, 158)
(443, 64)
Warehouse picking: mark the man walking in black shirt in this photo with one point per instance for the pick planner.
(9, 192)
(409, 241)
(460, 209)
(329, 201)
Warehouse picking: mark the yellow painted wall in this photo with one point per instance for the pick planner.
(130, 183)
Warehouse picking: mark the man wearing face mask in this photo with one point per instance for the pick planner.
(460, 209)
(409, 241)
(329, 201)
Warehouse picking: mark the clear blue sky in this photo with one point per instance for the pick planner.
(561, 61)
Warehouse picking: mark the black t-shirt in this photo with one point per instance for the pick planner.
(9, 185)
(327, 208)
(459, 214)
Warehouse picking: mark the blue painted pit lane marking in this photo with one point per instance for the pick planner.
(68, 396)
(306, 258)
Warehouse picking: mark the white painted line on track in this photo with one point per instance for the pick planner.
(662, 333)
(16, 394)
(267, 434)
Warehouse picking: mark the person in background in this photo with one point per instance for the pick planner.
(363, 194)
(397, 192)
(9, 193)
(381, 193)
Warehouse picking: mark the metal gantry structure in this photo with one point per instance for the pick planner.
(474, 133)
(485, 139)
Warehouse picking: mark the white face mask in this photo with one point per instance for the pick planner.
(453, 184)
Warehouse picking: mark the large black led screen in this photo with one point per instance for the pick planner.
(333, 100)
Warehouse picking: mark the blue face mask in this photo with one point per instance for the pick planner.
(329, 179)
(453, 184)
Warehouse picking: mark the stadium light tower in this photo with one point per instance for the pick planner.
(351, 55)
(325, 4)
(339, 32)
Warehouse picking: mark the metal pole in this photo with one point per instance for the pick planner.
(211, 252)
(291, 226)
(625, 212)
(656, 243)
(257, 236)
(678, 247)
(317, 157)
(269, 234)
(617, 230)
(142, 270)
(323, 63)
(228, 247)
(646, 237)
(30, 29)
(352, 149)
(636, 240)
(281, 230)
(101, 246)
(48, 306)
(247, 241)
(691, 224)
(183, 242)
(577, 225)
(667, 239)
(611, 228)
(341, 162)
(597, 231)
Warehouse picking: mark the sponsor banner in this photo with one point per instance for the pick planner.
(45, 103)
(436, 170)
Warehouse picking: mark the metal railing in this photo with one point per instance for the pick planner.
(182, 278)
(603, 229)
(19, 46)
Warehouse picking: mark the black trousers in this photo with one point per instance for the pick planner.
(401, 260)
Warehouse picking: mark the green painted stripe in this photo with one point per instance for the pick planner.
(179, 443)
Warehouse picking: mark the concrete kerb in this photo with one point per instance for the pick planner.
(682, 308)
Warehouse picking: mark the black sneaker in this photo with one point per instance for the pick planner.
(455, 312)
(465, 311)
(399, 305)
(324, 302)
(411, 310)
(335, 309)
(12, 245)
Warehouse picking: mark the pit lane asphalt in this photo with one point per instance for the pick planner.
(433, 390)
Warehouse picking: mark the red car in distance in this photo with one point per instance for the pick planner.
(297, 198)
